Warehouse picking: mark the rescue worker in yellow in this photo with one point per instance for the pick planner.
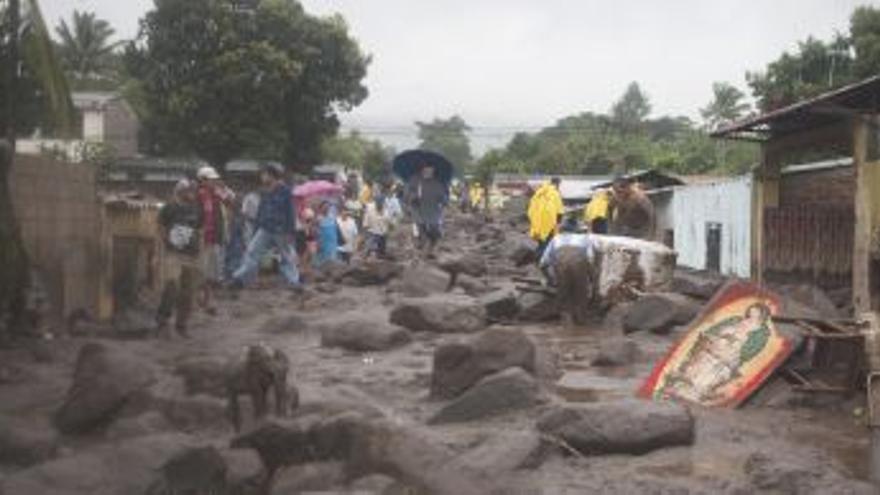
(545, 212)
(366, 196)
(597, 212)
(476, 195)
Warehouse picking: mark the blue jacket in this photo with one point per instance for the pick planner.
(275, 214)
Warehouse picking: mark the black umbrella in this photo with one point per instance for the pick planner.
(410, 163)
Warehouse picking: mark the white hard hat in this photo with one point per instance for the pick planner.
(207, 173)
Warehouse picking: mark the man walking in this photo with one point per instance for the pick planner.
(276, 227)
(426, 198)
(180, 222)
(213, 197)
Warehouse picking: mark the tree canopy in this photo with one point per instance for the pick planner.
(727, 106)
(220, 81)
(356, 151)
(87, 51)
(632, 108)
(449, 138)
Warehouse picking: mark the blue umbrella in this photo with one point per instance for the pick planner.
(410, 163)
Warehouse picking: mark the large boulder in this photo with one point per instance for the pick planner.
(113, 469)
(371, 273)
(616, 351)
(104, 380)
(807, 301)
(620, 427)
(193, 470)
(458, 366)
(473, 286)
(508, 390)
(507, 451)
(469, 264)
(659, 313)
(204, 375)
(537, 308)
(524, 252)
(699, 285)
(501, 305)
(316, 477)
(440, 314)
(364, 336)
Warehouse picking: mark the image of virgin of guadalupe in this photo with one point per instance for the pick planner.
(718, 356)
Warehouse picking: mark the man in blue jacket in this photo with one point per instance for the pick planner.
(275, 227)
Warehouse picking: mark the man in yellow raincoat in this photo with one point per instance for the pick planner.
(476, 195)
(545, 211)
(597, 212)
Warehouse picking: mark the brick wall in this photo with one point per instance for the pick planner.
(832, 187)
(58, 212)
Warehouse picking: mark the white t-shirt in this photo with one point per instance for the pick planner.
(349, 230)
(375, 222)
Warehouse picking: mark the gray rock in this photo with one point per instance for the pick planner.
(104, 380)
(525, 252)
(508, 390)
(469, 264)
(501, 305)
(473, 286)
(364, 336)
(807, 301)
(200, 412)
(508, 451)
(617, 351)
(371, 273)
(121, 467)
(458, 366)
(204, 376)
(769, 475)
(148, 423)
(421, 281)
(192, 470)
(659, 313)
(24, 445)
(440, 314)
(320, 477)
(283, 325)
(698, 285)
(620, 427)
(537, 308)
(244, 470)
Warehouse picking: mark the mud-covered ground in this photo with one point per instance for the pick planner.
(794, 446)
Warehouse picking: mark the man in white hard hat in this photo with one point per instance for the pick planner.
(214, 197)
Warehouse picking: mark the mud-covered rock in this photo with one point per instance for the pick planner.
(507, 451)
(195, 413)
(284, 325)
(364, 336)
(617, 351)
(659, 313)
(119, 468)
(458, 366)
(204, 375)
(440, 314)
(508, 390)
(317, 477)
(24, 444)
(537, 308)
(473, 286)
(371, 273)
(421, 281)
(104, 380)
(192, 470)
(770, 475)
(469, 264)
(699, 285)
(148, 423)
(524, 252)
(620, 427)
(501, 304)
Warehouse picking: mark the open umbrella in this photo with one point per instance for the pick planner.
(410, 162)
(317, 188)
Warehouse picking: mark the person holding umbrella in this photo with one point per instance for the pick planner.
(426, 196)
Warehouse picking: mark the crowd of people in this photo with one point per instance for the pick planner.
(213, 239)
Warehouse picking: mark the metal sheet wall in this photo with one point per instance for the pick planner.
(727, 203)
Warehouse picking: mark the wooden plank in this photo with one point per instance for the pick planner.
(864, 222)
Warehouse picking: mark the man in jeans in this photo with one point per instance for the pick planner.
(276, 227)
(180, 221)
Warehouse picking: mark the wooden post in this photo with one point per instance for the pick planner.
(765, 194)
(861, 283)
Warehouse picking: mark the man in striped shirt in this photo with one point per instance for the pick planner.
(567, 261)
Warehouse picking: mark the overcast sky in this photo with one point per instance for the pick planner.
(506, 64)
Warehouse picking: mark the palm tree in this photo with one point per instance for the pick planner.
(26, 48)
(86, 50)
(727, 106)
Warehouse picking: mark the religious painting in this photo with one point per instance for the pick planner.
(726, 354)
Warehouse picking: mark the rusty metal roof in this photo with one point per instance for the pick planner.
(828, 108)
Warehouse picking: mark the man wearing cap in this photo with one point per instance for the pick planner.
(180, 223)
(633, 212)
(276, 227)
(214, 197)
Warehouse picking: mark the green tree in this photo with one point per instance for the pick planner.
(354, 150)
(865, 39)
(220, 82)
(631, 109)
(449, 138)
(31, 75)
(727, 106)
(86, 50)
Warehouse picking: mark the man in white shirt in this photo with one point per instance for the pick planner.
(349, 233)
(567, 261)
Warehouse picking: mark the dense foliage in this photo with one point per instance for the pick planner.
(221, 81)
(449, 138)
(88, 54)
(354, 150)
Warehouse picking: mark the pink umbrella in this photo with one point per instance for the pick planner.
(317, 188)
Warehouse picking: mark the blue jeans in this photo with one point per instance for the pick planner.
(257, 248)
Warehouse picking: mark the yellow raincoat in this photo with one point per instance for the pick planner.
(598, 207)
(366, 196)
(544, 211)
(476, 192)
